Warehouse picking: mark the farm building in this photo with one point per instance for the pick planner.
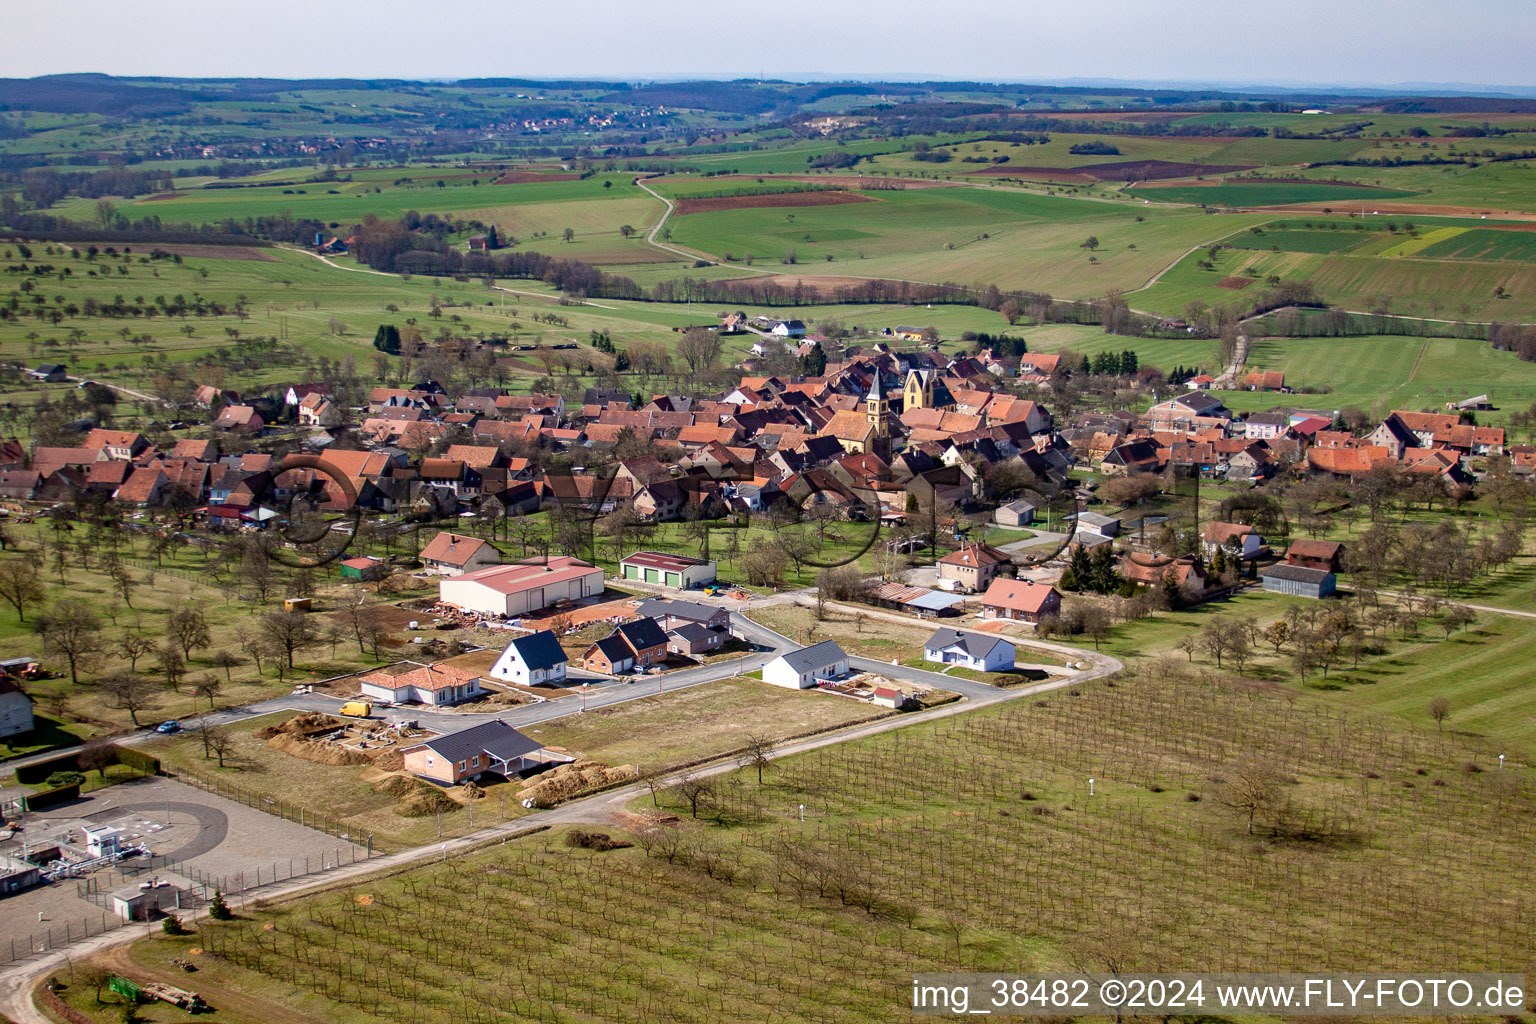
(453, 553)
(889, 697)
(1315, 554)
(800, 670)
(1020, 600)
(1015, 513)
(522, 587)
(1103, 526)
(531, 660)
(489, 747)
(433, 685)
(676, 571)
(979, 651)
(49, 373)
(1299, 581)
(362, 569)
(15, 709)
(971, 567)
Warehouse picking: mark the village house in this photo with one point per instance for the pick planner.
(492, 746)
(1236, 539)
(971, 568)
(1299, 581)
(450, 554)
(15, 709)
(1020, 601)
(980, 652)
(637, 644)
(435, 685)
(805, 668)
(533, 660)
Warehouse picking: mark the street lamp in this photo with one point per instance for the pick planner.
(1090, 787)
(802, 812)
(1501, 762)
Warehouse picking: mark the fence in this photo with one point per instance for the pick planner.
(318, 820)
(203, 885)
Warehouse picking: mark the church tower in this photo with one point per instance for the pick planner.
(877, 408)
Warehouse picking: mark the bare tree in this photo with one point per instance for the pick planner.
(168, 658)
(134, 646)
(128, 692)
(1251, 787)
(694, 790)
(699, 349)
(226, 661)
(20, 585)
(188, 627)
(289, 632)
(216, 739)
(97, 756)
(757, 753)
(72, 631)
(207, 687)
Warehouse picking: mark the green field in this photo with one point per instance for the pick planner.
(1235, 192)
(1485, 245)
(1011, 238)
(1301, 240)
(1411, 285)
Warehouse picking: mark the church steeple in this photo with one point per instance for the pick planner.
(877, 408)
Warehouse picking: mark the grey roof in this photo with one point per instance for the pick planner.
(974, 644)
(539, 650)
(1019, 506)
(692, 632)
(659, 606)
(496, 738)
(1296, 573)
(614, 648)
(642, 633)
(808, 659)
(934, 601)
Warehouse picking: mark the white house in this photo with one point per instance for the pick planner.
(536, 659)
(15, 710)
(802, 669)
(1237, 538)
(976, 651)
(789, 329)
(522, 587)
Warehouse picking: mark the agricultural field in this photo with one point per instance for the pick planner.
(1410, 285)
(1373, 816)
(972, 235)
(1249, 192)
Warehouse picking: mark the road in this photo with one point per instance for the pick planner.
(601, 808)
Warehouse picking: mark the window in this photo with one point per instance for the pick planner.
(460, 766)
(474, 762)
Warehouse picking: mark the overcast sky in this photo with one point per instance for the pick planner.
(1300, 41)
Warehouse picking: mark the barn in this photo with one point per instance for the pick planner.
(1299, 581)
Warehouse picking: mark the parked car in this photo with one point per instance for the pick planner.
(167, 728)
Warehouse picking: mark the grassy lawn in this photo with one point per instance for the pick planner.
(698, 723)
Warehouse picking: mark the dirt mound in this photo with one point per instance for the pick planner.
(317, 751)
(389, 761)
(710, 204)
(305, 723)
(417, 798)
(568, 780)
